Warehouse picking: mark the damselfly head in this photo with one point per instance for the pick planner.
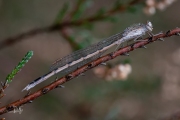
(149, 26)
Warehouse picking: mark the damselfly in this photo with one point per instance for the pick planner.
(81, 57)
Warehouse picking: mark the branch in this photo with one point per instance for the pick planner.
(68, 23)
(79, 71)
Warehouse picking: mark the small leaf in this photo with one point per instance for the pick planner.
(75, 45)
(126, 61)
(71, 38)
(87, 38)
(82, 7)
(101, 12)
(88, 25)
(132, 9)
(62, 13)
(111, 19)
(117, 4)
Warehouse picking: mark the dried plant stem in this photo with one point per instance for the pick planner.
(79, 71)
(67, 23)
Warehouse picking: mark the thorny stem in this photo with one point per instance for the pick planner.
(79, 71)
(3, 87)
(55, 27)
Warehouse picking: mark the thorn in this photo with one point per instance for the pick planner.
(60, 86)
(150, 39)
(132, 46)
(111, 55)
(30, 101)
(56, 78)
(144, 47)
(28, 93)
(2, 95)
(16, 110)
(2, 89)
(160, 39)
(125, 54)
(82, 74)
(161, 32)
(90, 65)
(19, 110)
(103, 64)
(5, 83)
(167, 33)
(140, 38)
(10, 108)
(178, 34)
(44, 91)
(2, 84)
(68, 77)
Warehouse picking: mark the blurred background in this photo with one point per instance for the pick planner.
(147, 86)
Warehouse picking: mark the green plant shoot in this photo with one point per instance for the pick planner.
(21, 64)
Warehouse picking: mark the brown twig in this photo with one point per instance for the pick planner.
(3, 87)
(55, 27)
(79, 71)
